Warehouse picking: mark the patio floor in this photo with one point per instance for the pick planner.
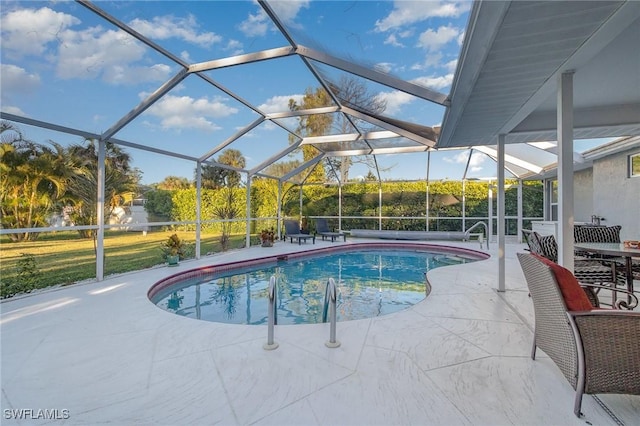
(106, 354)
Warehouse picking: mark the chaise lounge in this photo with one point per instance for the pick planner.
(293, 232)
(322, 228)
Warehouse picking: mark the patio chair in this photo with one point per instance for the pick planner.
(322, 228)
(596, 350)
(293, 232)
(586, 270)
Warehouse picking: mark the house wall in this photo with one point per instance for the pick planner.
(616, 196)
(583, 196)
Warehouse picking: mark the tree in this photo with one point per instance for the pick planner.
(214, 177)
(120, 182)
(170, 183)
(32, 180)
(312, 125)
(350, 92)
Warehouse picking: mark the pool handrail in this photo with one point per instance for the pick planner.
(330, 301)
(272, 318)
(486, 232)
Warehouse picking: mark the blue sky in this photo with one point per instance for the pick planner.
(61, 63)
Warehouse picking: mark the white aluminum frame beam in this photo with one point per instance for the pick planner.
(231, 139)
(373, 75)
(509, 158)
(275, 158)
(312, 162)
(402, 132)
(247, 58)
(302, 112)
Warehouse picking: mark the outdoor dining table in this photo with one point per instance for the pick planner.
(614, 249)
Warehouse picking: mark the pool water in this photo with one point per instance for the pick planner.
(369, 283)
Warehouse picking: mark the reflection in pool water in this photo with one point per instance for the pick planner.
(370, 283)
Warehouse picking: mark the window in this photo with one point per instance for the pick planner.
(634, 165)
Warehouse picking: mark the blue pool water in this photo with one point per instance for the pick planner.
(370, 283)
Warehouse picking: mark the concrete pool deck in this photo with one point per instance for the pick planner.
(101, 352)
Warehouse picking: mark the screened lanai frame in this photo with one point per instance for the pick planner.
(390, 130)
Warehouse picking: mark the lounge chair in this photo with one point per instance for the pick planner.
(293, 232)
(595, 349)
(322, 228)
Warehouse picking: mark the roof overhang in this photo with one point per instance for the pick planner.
(511, 61)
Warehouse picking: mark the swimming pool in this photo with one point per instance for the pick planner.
(371, 281)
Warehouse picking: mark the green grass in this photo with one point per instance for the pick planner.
(65, 257)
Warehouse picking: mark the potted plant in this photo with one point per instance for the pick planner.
(267, 237)
(173, 249)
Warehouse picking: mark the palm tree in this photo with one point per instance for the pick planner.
(120, 182)
(31, 183)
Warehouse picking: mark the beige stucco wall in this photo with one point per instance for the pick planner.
(583, 196)
(616, 197)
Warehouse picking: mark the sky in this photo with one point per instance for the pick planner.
(62, 63)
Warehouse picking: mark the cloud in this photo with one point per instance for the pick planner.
(385, 67)
(235, 47)
(279, 103)
(435, 83)
(13, 110)
(185, 55)
(185, 112)
(28, 31)
(166, 27)
(475, 165)
(393, 41)
(257, 24)
(434, 40)
(17, 80)
(451, 65)
(110, 54)
(394, 100)
(410, 12)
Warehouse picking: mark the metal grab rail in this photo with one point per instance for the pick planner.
(330, 301)
(486, 232)
(272, 318)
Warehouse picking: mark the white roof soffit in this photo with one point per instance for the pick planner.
(511, 60)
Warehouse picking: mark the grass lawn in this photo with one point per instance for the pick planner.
(65, 257)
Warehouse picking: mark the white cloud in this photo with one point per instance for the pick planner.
(255, 25)
(27, 31)
(393, 41)
(410, 12)
(394, 100)
(279, 103)
(165, 27)
(475, 165)
(185, 55)
(182, 112)
(435, 83)
(461, 38)
(95, 53)
(384, 67)
(288, 10)
(17, 80)
(258, 24)
(235, 47)
(434, 40)
(13, 110)
(451, 65)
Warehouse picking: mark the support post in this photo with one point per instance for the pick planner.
(501, 215)
(247, 239)
(198, 206)
(520, 211)
(100, 210)
(565, 170)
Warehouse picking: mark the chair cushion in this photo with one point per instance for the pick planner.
(574, 296)
(596, 234)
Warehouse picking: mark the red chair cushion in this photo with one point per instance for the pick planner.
(574, 296)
